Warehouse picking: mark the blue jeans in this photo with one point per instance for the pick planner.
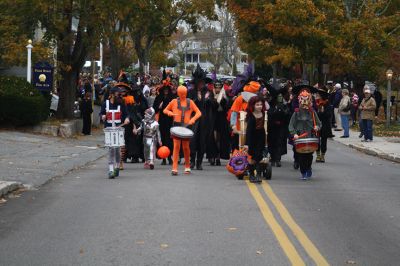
(367, 129)
(345, 124)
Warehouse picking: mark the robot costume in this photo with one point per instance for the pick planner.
(151, 137)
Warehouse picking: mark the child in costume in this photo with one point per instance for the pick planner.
(255, 136)
(151, 137)
(113, 113)
(304, 121)
(181, 110)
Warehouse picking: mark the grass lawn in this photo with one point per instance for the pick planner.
(380, 129)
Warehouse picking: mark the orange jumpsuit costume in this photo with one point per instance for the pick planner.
(173, 110)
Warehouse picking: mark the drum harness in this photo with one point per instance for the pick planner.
(183, 110)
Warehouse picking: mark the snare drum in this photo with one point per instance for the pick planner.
(306, 145)
(181, 133)
(114, 137)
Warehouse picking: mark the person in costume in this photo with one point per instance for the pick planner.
(220, 138)
(87, 110)
(203, 98)
(324, 112)
(162, 100)
(128, 102)
(304, 122)
(255, 136)
(114, 105)
(149, 128)
(181, 109)
(278, 120)
(240, 104)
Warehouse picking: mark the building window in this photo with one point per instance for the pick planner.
(189, 58)
(195, 58)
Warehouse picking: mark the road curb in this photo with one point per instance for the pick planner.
(8, 186)
(375, 153)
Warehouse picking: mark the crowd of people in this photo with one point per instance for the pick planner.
(148, 107)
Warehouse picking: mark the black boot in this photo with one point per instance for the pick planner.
(212, 161)
(192, 163)
(296, 165)
(278, 164)
(252, 177)
(199, 161)
(198, 165)
(164, 162)
(218, 162)
(259, 173)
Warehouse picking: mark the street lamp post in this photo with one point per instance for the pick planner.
(389, 76)
(29, 63)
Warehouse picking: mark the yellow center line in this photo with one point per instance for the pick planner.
(279, 233)
(310, 248)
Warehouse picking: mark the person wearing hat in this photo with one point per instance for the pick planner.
(337, 97)
(304, 123)
(161, 102)
(278, 120)
(113, 113)
(220, 137)
(324, 111)
(344, 111)
(203, 98)
(367, 108)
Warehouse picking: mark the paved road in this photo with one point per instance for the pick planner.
(348, 214)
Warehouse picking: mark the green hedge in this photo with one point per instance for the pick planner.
(21, 104)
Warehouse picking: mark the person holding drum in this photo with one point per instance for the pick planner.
(114, 115)
(181, 109)
(304, 125)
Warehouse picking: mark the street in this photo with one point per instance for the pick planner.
(347, 214)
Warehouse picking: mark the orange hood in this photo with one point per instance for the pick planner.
(252, 87)
(182, 92)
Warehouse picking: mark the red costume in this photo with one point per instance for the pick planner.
(175, 109)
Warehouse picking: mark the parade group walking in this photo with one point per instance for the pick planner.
(245, 122)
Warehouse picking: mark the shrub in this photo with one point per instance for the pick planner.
(21, 103)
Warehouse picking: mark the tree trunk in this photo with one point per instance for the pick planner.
(67, 94)
(115, 60)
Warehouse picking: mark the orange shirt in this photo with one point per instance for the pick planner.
(238, 105)
(172, 110)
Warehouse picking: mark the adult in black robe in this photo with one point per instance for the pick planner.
(86, 111)
(138, 110)
(219, 145)
(278, 121)
(165, 122)
(203, 128)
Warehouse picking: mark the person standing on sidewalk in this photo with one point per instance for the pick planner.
(367, 107)
(87, 110)
(344, 110)
(337, 97)
(354, 107)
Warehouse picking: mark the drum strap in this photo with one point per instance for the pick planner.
(183, 109)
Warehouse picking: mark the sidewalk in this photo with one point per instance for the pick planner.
(32, 160)
(384, 147)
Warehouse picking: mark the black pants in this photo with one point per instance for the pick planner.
(87, 124)
(322, 147)
(305, 161)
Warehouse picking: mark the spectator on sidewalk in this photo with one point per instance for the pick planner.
(336, 101)
(367, 107)
(86, 111)
(354, 107)
(344, 111)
